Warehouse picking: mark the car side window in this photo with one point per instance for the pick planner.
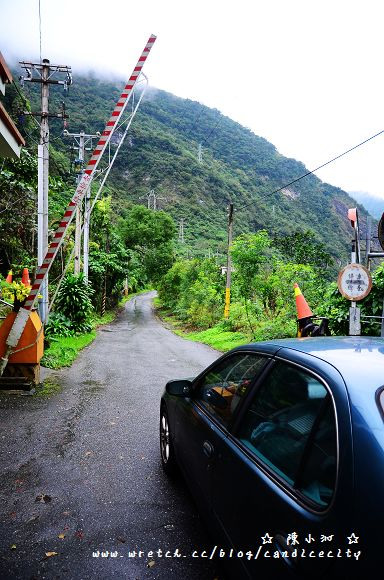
(317, 479)
(290, 427)
(222, 388)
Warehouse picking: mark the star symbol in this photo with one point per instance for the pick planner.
(267, 539)
(353, 539)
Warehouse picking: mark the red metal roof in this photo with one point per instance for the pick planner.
(5, 73)
(6, 119)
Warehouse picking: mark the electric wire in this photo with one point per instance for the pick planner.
(197, 117)
(213, 130)
(31, 137)
(313, 170)
(40, 27)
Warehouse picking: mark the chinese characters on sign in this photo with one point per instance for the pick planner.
(354, 282)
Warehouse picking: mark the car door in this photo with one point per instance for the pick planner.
(202, 420)
(285, 473)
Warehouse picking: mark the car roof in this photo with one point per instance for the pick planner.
(359, 359)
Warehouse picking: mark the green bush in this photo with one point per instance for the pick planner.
(58, 325)
(74, 302)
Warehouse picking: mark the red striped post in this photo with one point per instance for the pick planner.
(87, 176)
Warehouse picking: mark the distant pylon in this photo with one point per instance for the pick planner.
(200, 153)
(152, 198)
(181, 231)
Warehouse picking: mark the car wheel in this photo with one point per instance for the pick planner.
(167, 453)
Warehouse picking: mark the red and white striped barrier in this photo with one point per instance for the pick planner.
(87, 177)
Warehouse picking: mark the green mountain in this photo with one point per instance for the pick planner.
(161, 154)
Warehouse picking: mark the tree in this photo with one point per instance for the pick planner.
(249, 252)
(304, 248)
(18, 184)
(108, 257)
(149, 235)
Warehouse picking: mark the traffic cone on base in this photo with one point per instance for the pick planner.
(303, 310)
(25, 277)
(304, 313)
(9, 277)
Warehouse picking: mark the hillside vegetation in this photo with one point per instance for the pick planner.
(161, 153)
(297, 234)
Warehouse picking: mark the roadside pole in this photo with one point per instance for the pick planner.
(82, 140)
(43, 73)
(354, 281)
(229, 263)
(354, 311)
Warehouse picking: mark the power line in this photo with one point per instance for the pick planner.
(197, 117)
(314, 170)
(212, 130)
(33, 139)
(40, 27)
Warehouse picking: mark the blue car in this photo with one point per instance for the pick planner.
(282, 446)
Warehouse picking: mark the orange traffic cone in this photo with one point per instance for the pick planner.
(25, 277)
(303, 310)
(9, 277)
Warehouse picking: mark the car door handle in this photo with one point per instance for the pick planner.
(208, 448)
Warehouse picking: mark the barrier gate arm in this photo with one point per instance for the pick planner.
(23, 314)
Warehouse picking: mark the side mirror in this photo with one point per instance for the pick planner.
(179, 388)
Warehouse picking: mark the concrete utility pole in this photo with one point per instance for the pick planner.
(229, 263)
(45, 72)
(82, 140)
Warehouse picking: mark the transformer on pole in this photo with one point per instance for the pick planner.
(43, 74)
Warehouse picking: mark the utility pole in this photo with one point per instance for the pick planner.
(229, 263)
(82, 140)
(45, 72)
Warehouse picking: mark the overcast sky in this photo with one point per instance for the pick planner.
(305, 74)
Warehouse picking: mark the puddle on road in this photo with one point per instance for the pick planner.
(126, 329)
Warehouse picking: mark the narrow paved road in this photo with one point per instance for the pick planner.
(80, 471)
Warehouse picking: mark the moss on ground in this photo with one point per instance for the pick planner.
(48, 388)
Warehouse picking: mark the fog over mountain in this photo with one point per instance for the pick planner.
(373, 204)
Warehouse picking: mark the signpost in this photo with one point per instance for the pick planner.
(355, 283)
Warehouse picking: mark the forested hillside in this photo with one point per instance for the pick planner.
(282, 233)
(161, 153)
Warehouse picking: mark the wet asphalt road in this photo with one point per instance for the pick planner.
(91, 453)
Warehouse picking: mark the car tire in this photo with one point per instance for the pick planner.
(167, 452)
